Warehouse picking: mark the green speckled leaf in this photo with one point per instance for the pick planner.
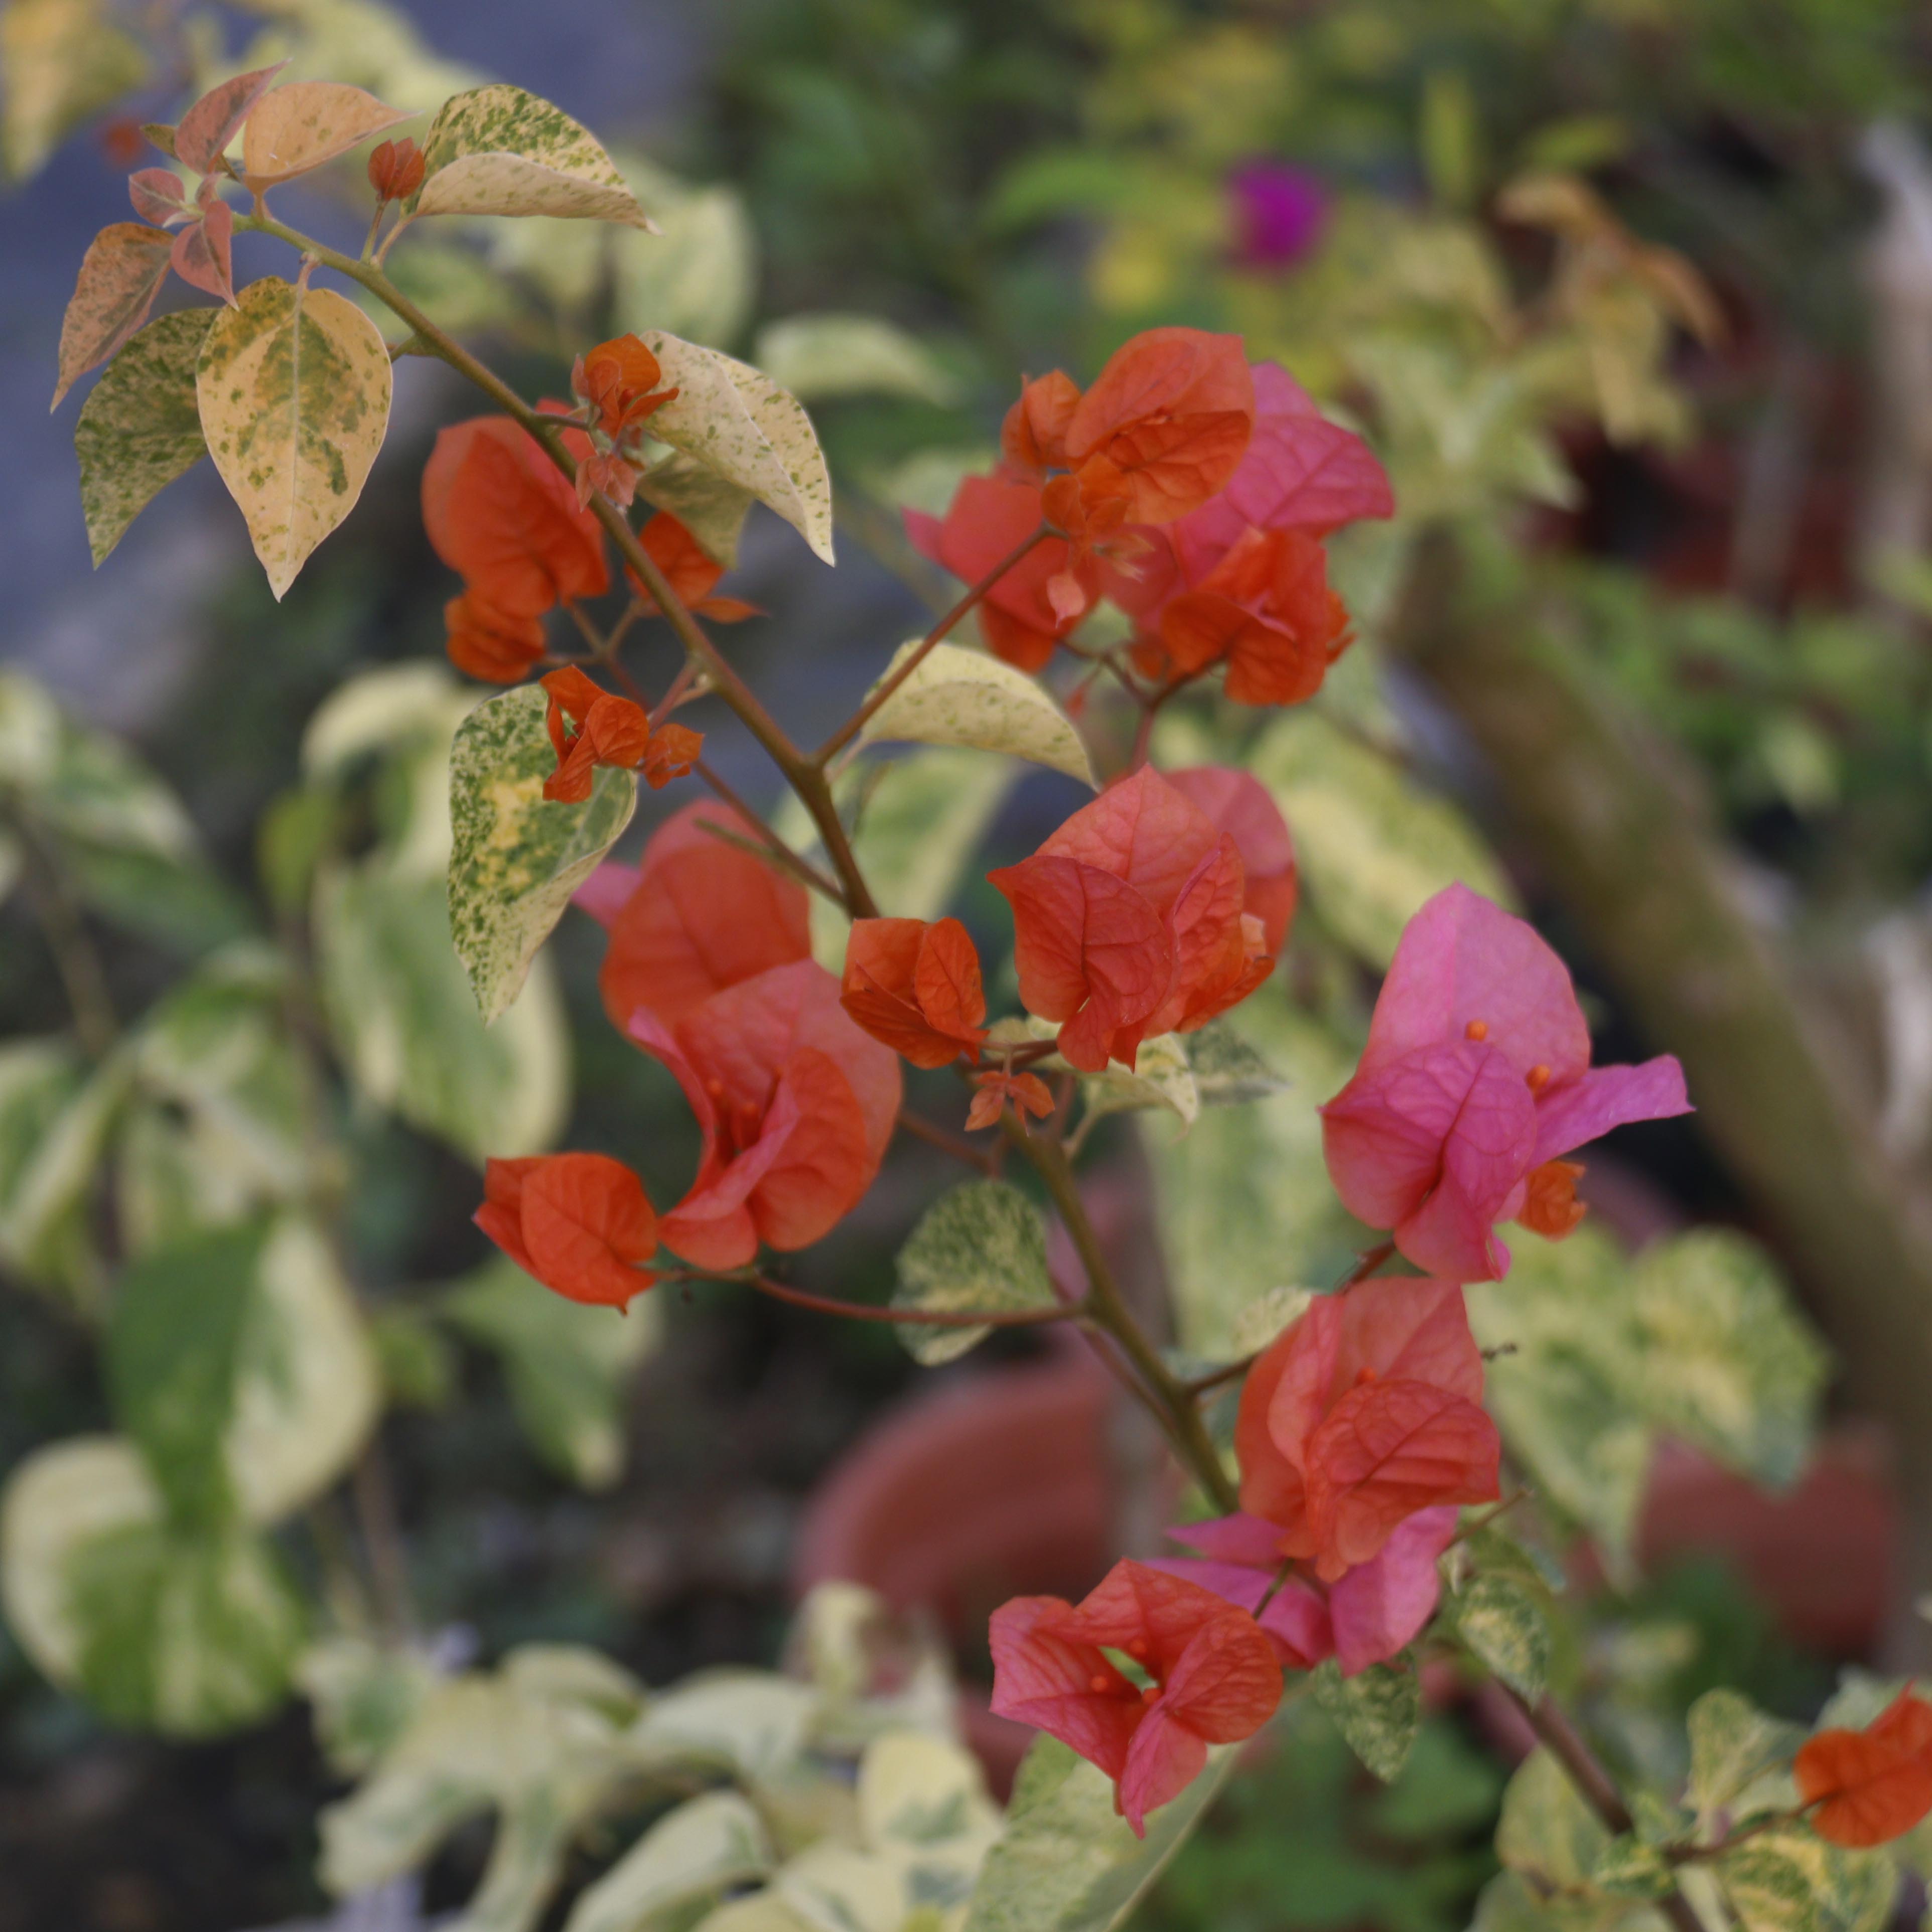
(141, 426)
(1791, 1881)
(1067, 1861)
(1733, 1744)
(294, 386)
(517, 857)
(498, 150)
(983, 1246)
(1373, 844)
(1504, 1620)
(962, 697)
(1379, 1711)
(736, 422)
(712, 507)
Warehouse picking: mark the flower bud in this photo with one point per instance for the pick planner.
(396, 170)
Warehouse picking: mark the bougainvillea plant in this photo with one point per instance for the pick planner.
(1163, 529)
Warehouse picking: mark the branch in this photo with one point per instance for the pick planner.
(860, 719)
(944, 1138)
(1107, 1309)
(803, 776)
(910, 1318)
(82, 975)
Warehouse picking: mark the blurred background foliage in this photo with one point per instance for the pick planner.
(1635, 298)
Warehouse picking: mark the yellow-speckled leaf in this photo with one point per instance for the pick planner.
(960, 696)
(295, 128)
(63, 60)
(815, 356)
(498, 150)
(141, 426)
(120, 275)
(294, 385)
(516, 857)
(738, 422)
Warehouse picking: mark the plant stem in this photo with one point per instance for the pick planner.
(944, 1138)
(1106, 1308)
(1594, 1785)
(915, 1318)
(860, 719)
(804, 777)
(764, 840)
(82, 975)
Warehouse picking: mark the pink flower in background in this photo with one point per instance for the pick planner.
(1280, 214)
(1476, 1078)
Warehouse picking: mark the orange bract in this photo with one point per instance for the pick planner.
(619, 379)
(1871, 1786)
(1166, 423)
(395, 169)
(690, 570)
(611, 730)
(500, 512)
(580, 1222)
(1033, 439)
(488, 643)
(916, 987)
(1025, 1093)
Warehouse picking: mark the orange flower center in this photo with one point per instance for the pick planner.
(1477, 1030)
(1537, 1078)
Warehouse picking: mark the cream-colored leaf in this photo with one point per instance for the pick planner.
(120, 275)
(63, 60)
(295, 386)
(961, 697)
(737, 421)
(299, 126)
(498, 150)
(709, 1842)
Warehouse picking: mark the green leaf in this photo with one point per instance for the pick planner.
(1546, 1831)
(405, 1021)
(294, 385)
(64, 61)
(738, 422)
(54, 1121)
(1161, 1077)
(498, 150)
(140, 427)
(1727, 1362)
(569, 1365)
(1629, 1868)
(1246, 1203)
(1505, 1621)
(706, 1845)
(362, 1695)
(834, 355)
(1790, 1880)
(1067, 1860)
(1228, 1072)
(1733, 1744)
(962, 697)
(1372, 845)
(982, 1245)
(517, 857)
(1378, 1710)
(173, 1343)
(191, 1632)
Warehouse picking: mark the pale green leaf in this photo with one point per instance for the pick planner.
(739, 423)
(706, 1845)
(568, 1365)
(1245, 1199)
(465, 293)
(393, 709)
(962, 697)
(712, 507)
(140, 427)
(838, 355)
(924, 1812)
(516, 857)
(833, 1888)
(1504, 1619)
(1629, 1868)
(1228, 1071)
(306, 1391)
(1067, 1861)
(497, 150)
(1791, 1880)
(405, 1021)
(294, 386)
(63, 60)
(1265, 1318)
(1377, 1710)
(749, 1724)
(1727, 1361)
(362, 1694)
(698, 277)
(1733, 1744)
(1161, 1076)
(1546, 1831)
(54, 1121)
(1372, 844)
(982, 1245)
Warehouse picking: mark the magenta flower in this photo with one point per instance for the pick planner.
(1476, 1077)
(1280, 214)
